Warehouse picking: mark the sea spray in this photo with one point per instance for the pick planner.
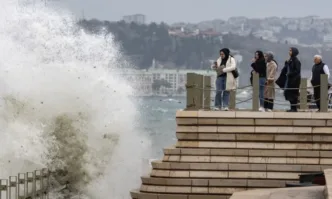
(62, 105)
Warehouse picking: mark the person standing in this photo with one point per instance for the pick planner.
(317, 69)
(290, 79)
(225, 80)
(259, 66)
(271, 70)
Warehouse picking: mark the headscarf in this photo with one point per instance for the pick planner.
(226, 51)
(295, 51)
(270, 57)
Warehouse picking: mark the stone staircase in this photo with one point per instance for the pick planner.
(219, 153)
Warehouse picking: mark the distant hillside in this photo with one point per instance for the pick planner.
(310, 30)
(143, 43)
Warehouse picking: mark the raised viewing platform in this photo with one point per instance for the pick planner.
(218, 153)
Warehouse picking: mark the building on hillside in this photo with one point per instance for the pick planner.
(328, 38)
(142, 81)
(290, 40)
(137, 18)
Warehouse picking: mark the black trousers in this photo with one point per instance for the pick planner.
(293, 105)
(317, 96)
(268, 103)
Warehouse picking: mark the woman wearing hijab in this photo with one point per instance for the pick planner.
(225, 81)
(271, 70)
(290, 79)
(259, 66)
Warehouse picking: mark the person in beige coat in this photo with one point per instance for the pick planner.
(271, 70)
(225, 79)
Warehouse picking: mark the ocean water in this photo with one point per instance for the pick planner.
(62, 106)
(159, 122)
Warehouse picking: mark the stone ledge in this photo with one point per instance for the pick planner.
(252, 145)
(253, 122)
(189, 189)
(255, 129)
(225, 174)
(300, 168)
(136, 194)
(244, 183)
(251, 137)
(252, 114)
(248, 152)
(328, 178)
(314, 192)
(245, 159)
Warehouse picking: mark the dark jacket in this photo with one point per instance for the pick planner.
(260, 65)
(317, 70)
(290, 77)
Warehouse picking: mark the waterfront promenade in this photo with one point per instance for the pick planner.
(218, 153)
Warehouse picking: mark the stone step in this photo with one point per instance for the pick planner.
(252, 122)
(136, 194)
(252, 115)
(256, 130)
(253, 145)
(245, 159)
(190, 190)
(244, 183)
(158, 165)
(251, 137)
(193, 190)
(225, 174)
(248, 152)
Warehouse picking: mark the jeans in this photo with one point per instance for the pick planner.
(262, 81)
(222, 96)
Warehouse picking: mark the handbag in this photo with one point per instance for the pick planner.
(235, 73)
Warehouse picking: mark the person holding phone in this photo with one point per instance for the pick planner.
(226, 81)
(259, 66)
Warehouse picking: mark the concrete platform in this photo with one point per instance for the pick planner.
(220, 153)
(285, 193)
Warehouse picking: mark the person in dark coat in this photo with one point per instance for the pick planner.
(290, 79)
(318, 69)
(259, 66)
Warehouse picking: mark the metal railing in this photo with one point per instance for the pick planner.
(199, 91)
(30, 185)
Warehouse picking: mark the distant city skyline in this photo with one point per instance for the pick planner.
(194, 11)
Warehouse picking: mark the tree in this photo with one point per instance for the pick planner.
(180, 90)
(178, 49)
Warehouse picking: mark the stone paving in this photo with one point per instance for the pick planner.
(221, 153)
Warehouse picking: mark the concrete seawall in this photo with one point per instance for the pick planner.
(219, 153)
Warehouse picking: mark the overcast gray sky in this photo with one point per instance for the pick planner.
(171, 11)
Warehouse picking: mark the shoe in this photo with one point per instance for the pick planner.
(216, 109)
(261, 109)
(268, 110)
(225, 109)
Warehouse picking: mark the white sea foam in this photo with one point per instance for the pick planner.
(62, 106)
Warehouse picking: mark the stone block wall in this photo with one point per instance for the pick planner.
(219, 153)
